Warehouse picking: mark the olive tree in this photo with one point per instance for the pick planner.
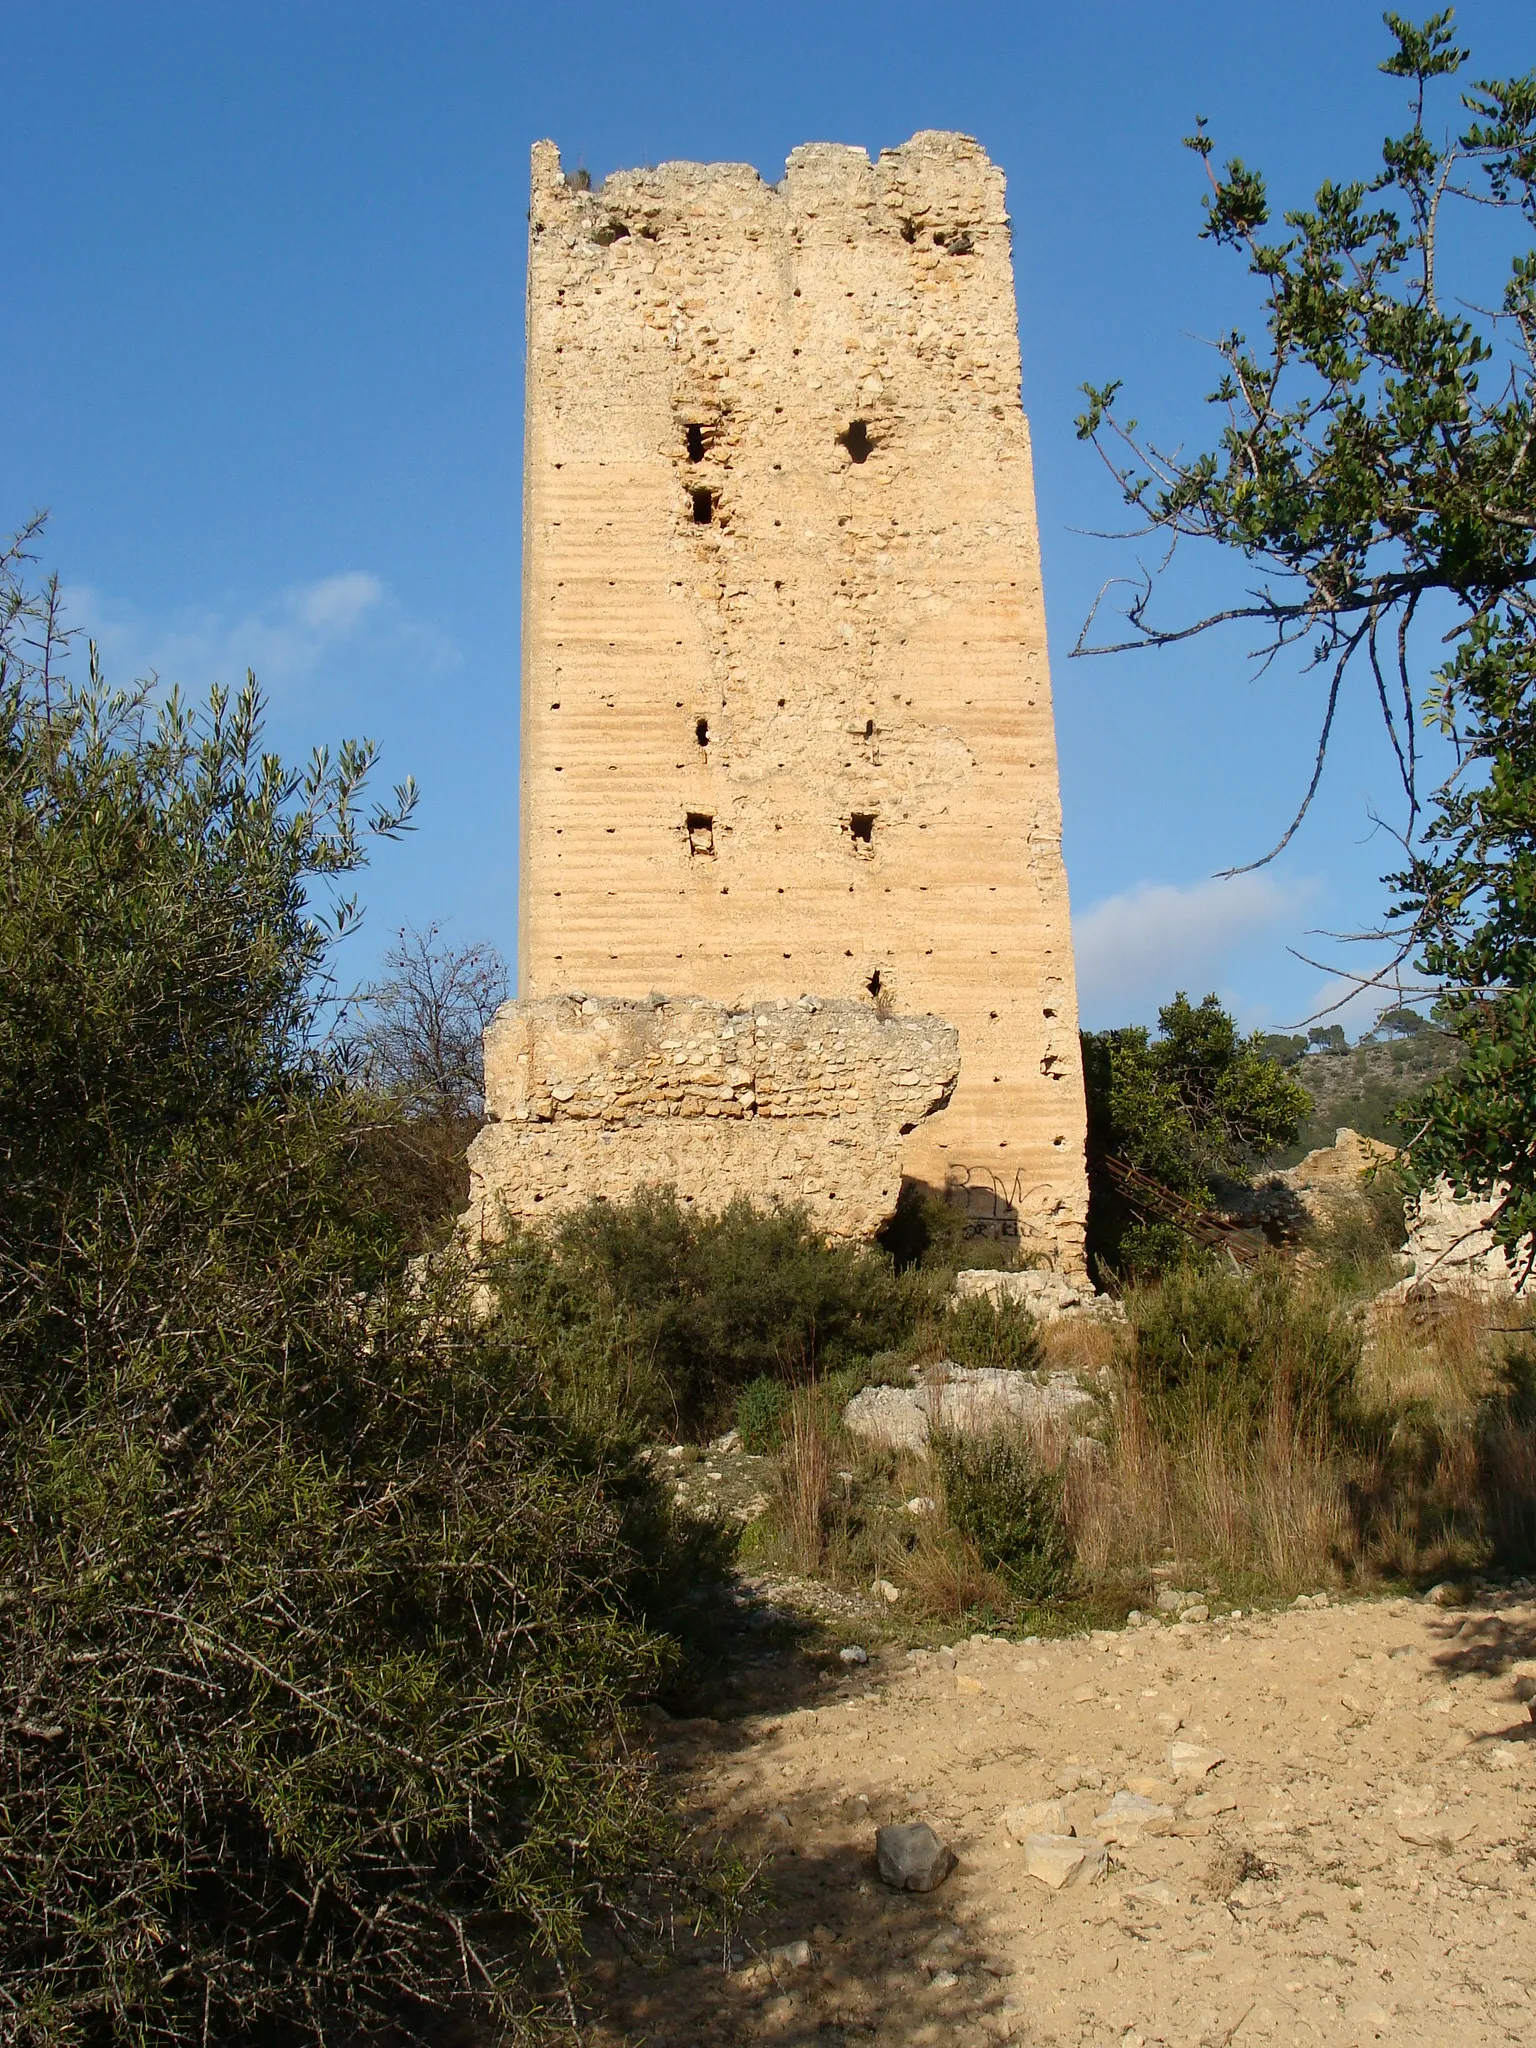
(1375, 470)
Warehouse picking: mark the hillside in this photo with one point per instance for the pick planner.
(1364, 1086)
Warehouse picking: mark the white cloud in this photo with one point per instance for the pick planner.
(1134, 949)
(285, 638)
(335, 604)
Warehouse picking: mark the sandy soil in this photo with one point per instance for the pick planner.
(1360, 1865)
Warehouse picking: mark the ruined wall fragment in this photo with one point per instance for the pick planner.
(801, 1102)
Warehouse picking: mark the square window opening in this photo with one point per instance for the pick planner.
(700, 826)
(862, 827)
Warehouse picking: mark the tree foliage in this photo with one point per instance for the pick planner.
(317, 1625)
(1193, 1104)
(1375, 469)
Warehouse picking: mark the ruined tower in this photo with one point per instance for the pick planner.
(786, 718)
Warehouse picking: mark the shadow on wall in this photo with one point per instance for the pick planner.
(977, 1217)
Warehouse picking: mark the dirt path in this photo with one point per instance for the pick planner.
(1361, 1865)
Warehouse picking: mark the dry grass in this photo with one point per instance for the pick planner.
(1275, 1507)
(1421, 1466)
(805, 1490)
(944, 1577)
(1079, 1344)
(1442, 1351)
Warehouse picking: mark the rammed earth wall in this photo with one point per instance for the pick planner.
(786, 703)
(801, 1102)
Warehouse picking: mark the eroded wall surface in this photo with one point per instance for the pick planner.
(786, 705)
(803, 1102)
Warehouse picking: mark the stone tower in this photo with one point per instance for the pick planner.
(786, 721)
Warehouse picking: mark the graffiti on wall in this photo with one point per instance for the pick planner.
(996, 1205)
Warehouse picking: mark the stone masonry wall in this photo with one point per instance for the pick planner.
(786, 700)
(803, 1102)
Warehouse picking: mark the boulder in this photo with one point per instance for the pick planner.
(911, 1857)
(967, 1399)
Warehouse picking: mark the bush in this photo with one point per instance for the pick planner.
(1359, 1235)
(1000, 1497)
(1232, 1349)
(714, 1302)
(761, 1410)
(319, 1622)
(979, 1332)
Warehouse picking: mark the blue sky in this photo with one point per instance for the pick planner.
(261, 354)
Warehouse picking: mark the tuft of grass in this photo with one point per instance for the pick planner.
(804, 1504)
(945, 1577)
(1270, 1507)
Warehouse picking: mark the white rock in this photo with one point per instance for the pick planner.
(854, 1653)
(967, 1399)
(1155, 1894)
(791, 1955)
(1039, 1817)
(1129, 1816)
(1045, 1295)
(1207, 1805)
(1059, 1860)
(1366, 2013)
(1192, 1760)
(884, 1590)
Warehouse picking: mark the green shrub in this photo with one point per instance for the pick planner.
(977, 1332)
(1190, 1104)
(319, 1620)
(761, 1409)
(1238, 1349)
(998, 1494)
(714, 1302)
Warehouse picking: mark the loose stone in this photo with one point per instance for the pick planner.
(912, 1858)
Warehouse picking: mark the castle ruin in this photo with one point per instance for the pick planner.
(786, 708)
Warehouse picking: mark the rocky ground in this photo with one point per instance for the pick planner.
(1346, 1849)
